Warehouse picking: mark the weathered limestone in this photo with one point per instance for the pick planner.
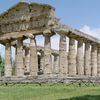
(47, 53)
(25, 21)
(42, 61)
(87, 59)
(19, 58)
(33, 57)
(27, 60)
(8, 62)
(80, 58)
(72, 57)
(39, 16)
(98, 61)
(94, 60)
(63, 62)
(56, 64)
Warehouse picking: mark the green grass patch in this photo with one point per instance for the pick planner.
(49, 92)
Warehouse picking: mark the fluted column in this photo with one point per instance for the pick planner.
(33, 57)
(72, 57)
(8, 62)
(87, 59)
(94, 60)
(27, 60)
(80, 58)
(56, 64)
(98, 61)
(42, 61)
(19, 58)
(47, 53)
(63, 62)
(47, 56)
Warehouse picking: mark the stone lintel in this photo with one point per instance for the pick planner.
(15, 35)
(66, 29)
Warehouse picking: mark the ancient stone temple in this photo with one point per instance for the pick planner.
(80, 59)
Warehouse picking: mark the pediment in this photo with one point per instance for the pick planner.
(24, 11)
(26, 16)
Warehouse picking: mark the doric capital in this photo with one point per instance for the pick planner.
(31, 36)
(47, 32)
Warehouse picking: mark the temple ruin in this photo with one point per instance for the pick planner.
(26, 21)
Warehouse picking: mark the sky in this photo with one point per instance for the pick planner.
(81, 14)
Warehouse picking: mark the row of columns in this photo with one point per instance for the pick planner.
(19, 63)
(30, 61)
(84, 62)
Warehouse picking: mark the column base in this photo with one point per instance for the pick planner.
(63, 75)
(33, 73)
(32, 77)
(48, 75)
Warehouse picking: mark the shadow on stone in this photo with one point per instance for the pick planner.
(86, 97)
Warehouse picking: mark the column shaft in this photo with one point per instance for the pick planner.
(94, 60)
(56, 64)
(27, 60)
(63, 62)
(72, 57)
(8, 62)
(47, 56)
(19, 58)
(33, 58)
(80, 58)
(87, 59)
(42, 61)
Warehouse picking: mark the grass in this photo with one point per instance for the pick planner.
(49, 92)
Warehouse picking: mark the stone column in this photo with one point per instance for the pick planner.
(33, 57)
(56, 64)
(98, 61)
(87, 59)
(8, 62)
(47, 54)
(94, 60)
(42, 61)
(63, 62)
(19, 58)
(27, 60)
(80, 58)
(72, 57)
